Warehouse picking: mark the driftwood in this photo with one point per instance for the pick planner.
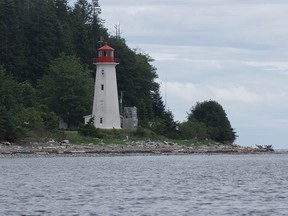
(5, 143)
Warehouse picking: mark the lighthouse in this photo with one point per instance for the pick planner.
(105, 104)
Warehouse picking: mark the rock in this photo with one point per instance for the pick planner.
(5, 143)
(64, 142)
(77, 151)
(259, 146)
(123, 137)
(265, 147)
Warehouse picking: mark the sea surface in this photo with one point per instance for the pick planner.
(145, 185)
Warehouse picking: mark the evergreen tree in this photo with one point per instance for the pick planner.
(136, 78)
(82, 16)
(158, 105)
(19, 110)
(215, 119)
(193, 129)
(40, 30)
(34, 36)
(165, 125)
(62, 9)
(67, 89)
(10, 108)
(11, 46)
(96, 29)
(163, 120)
(64, 42)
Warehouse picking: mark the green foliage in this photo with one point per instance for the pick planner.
(80, 139)
(193, 130)
(136, 78)
(165, 125)
(81, 15)
(213, 121)
(67, 89)
(40, 31)
(90, 130)
(28, 94)
(144, 133)
(10, 108)
(46, 47)
(11, 47)
(158, 105)
(49, 119)
(19, 111)
(64, 42)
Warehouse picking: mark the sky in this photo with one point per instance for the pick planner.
(234, 52)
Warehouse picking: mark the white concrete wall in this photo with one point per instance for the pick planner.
(105, 104)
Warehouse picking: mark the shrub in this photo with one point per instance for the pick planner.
(90, 130)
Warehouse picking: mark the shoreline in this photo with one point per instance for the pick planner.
(131, 148)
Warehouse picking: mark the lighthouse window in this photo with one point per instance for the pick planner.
(101, 120)
(105, 53)
(109, 54)
(102, 72)
(102, 87)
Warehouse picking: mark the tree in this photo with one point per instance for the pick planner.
(64, 42)
(136, 78)
(67, 89)
(215, 119)
(34, 36)
(82, 16)
(193, 129)
(19, 110)
(158, 105)
(10, 108)
(165, 125)
(40, 32)
(90, 130)
(11, 41)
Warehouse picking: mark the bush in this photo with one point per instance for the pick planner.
(193, 130)
(213, 116)
(90, 130)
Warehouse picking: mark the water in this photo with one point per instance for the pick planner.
(145, 185)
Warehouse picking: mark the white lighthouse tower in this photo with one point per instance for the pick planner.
(105, 105)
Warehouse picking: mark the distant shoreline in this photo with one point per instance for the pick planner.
(131, 148)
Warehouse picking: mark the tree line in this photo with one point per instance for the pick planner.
(46, 70)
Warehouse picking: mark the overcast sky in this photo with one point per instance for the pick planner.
(234, 52)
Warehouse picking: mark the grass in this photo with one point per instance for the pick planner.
(78, 139)
(111, 137)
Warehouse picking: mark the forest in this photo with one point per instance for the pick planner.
(46, 73)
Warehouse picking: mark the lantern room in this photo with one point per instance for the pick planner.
(105, 54)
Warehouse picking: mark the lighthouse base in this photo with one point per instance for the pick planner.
(88, 118)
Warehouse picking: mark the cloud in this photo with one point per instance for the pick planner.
(224, 23)
(231, 51)
(189, 93)
(281, 66)
(242, 102)
(234, 94)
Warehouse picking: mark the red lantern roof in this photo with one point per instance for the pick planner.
(105, 55)
(106, 47)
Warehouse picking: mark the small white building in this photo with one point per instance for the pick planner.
(105, 105)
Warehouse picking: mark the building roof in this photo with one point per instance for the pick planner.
(106, 47)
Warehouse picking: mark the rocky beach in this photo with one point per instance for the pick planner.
(129, 148)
